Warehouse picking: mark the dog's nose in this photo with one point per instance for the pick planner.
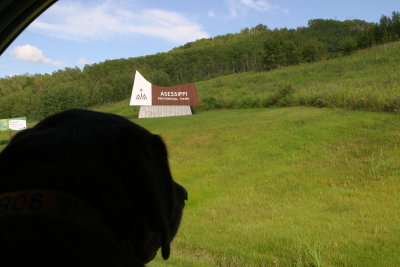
(182, 191)
(185, 194)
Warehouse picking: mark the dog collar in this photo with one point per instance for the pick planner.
(51, 204)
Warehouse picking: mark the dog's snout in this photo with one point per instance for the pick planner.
(185, 194)
(181, 191)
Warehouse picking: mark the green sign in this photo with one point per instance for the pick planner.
(13, 124)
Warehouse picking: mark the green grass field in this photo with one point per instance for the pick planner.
(296, 186)
(285, 187)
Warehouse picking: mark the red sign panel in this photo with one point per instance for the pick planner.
(179, 95)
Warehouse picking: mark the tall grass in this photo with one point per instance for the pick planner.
(367, 80)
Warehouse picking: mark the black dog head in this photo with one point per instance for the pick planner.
(116, 166)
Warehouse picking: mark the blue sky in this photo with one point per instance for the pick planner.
(73, 33)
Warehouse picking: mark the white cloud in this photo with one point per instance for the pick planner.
(233, 12)
(81, 21)
(32, 54)
(261, 5)
(234, 7)
(237, 7)
(83, 61)
(211, 14)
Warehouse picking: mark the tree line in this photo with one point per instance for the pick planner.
(258, 48)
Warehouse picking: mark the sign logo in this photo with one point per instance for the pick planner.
(141, 91)
(141, 96)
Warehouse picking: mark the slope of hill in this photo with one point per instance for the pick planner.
(367, 80)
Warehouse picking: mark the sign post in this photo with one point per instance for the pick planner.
(157, 101)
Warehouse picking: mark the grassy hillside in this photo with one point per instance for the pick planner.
(366, 80)
(286, 187)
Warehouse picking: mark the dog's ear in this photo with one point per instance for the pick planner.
(161, 190)
(151, 190)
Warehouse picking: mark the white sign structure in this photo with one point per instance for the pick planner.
(141, 92)
(158, 101)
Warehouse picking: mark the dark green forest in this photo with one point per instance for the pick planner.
(252, 49)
